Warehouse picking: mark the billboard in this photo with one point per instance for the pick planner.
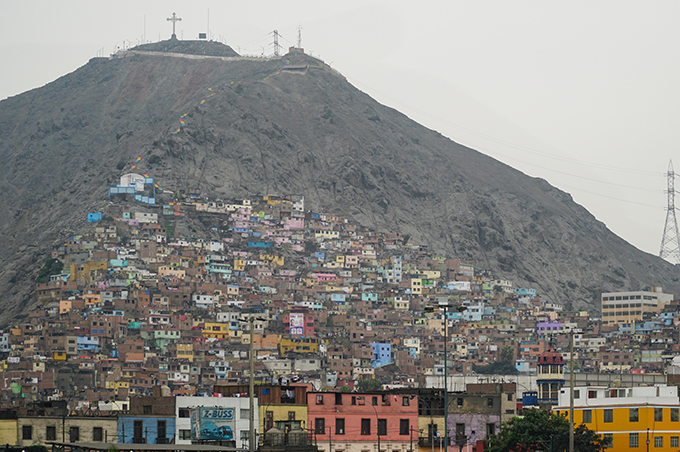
(297, 324)
(212, 423)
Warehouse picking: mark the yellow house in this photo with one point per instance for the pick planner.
(8, 431)
(60, 356)
(116, 385)
(232, 289)
(92, 299)
(276, 261)
(627, 417)
(186, 351)
(239, 265)
(301, 345)
(216, 330)
(416, 286)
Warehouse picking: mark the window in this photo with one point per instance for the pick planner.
(291, 415)
(592, 394)
(608, 440)
(185, 434)
(382, 427)
(405, 401)
(365, 426)
(633, 415)
(404, 427)
(587, 416)
(339, 426)
(674, 441)
(658, 414)
(319, 399)
(633, 440)
(138, 432)
(245, 413)
(658, 441)
(489, 402)
(577, 393)
(161, 429)
(608, 415)
(509, 396)
(460, 402)
(74, 434)
(675, 414)
(354, 400)
(319, 425)
(490, 430)
(184, 412)
(146, 409)
(374, 401)
(51, 433)
(338, 398)
(97, 434)
(27, 432)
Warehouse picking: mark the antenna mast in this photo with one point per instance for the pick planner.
(299, 46)
(670, 242)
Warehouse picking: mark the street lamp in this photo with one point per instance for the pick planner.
(377, 420)
(459, 308)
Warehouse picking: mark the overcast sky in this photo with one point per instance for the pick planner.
(583, 94)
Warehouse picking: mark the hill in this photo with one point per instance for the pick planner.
(289, 125)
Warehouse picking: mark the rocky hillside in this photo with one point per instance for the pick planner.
(287, 126)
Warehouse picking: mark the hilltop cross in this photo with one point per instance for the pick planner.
(174, 19)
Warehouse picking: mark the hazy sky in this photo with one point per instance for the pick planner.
(583, 94)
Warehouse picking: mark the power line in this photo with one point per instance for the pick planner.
(516, 146)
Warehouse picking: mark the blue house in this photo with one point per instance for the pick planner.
(151, 429)
(88, 343)
(382, 354)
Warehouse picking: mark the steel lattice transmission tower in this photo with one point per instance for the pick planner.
(276, 43)
(670, 242)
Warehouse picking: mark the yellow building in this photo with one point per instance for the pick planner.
(185, 351)
(8, 431)
(301, 345)
(416, 286)
(216, 330)
(628, 417)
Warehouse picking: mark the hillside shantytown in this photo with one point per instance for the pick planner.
(140, 334)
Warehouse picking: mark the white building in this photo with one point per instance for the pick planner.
(241, 406)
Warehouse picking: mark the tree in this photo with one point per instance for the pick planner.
(504, 365)
(541, 430)
(372, 385)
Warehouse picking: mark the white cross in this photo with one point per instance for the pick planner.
(174, 19)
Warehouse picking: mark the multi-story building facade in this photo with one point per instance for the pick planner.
(629, 307)
(356, 422)
(628, 418)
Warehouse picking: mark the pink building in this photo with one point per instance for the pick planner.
(361, 421)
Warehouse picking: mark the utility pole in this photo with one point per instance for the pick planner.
(251, 387)
(251, 383)
(571, 391)
(670, 242)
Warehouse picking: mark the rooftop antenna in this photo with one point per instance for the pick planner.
(276, 43)
(174, 19)
(670, 242)
(299, 46)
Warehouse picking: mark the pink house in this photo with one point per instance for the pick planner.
(363, 420)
